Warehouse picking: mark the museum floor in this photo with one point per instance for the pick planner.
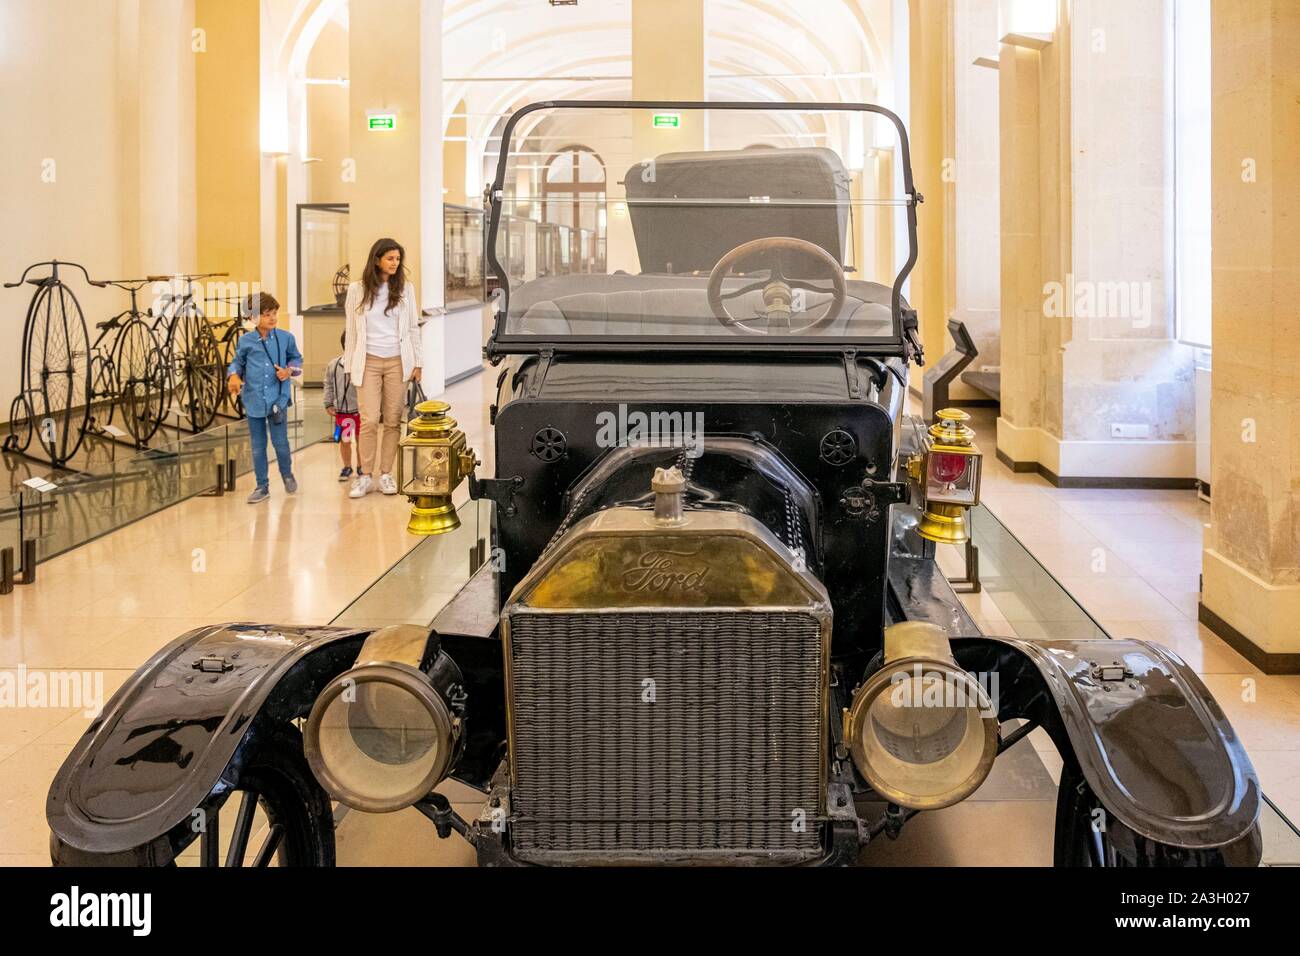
(1129, 558)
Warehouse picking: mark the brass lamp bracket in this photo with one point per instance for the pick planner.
(500, 490)
(865, 502)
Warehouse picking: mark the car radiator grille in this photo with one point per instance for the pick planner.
(724, 763)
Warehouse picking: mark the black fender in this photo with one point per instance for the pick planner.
(173, 737)
(1141, 728)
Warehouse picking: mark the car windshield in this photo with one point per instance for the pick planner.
(717, 224)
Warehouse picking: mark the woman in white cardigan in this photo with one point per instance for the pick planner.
(382, 353)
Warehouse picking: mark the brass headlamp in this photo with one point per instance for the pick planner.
(948, 475)
(434, 461)
(922, 730)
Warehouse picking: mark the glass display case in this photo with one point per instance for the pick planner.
(521, 250)
(516, 250)
(548, 237)
(585, 260)
(323, 273)
(463, 270)
(562, 264)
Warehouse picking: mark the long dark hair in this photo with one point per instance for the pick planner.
(372, 281)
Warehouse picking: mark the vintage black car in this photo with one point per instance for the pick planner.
(711, 627)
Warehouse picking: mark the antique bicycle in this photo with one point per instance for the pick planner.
(53, 404)
(228, 332)
(130, 371)
(193, 357)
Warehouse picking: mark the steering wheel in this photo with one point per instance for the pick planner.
(777, 254)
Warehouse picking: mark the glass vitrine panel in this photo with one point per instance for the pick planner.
(463, 255)
(323, 271)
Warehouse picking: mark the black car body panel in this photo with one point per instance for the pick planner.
(758, 409)
(1153, 745)
(164, 742)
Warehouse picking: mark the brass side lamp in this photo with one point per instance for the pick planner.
(948, 474)
(434, 460)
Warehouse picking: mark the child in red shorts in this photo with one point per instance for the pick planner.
(341, 402)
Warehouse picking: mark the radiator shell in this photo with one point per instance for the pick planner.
(672, 724)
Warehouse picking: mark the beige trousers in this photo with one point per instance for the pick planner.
(381, 397)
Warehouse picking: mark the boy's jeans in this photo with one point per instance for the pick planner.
(257, 430)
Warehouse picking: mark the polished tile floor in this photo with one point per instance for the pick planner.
(1131, 558)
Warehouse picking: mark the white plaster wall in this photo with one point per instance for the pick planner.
(101, 90)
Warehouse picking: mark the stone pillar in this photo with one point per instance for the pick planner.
(932, 133)
(454, 161)
(1251, 572)
(1025, 184)
(228, 155)
(668, 51)
(395, 66)
(668, 63)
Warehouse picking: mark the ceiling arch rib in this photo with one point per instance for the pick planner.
(774, 60)
(779, 22)
(535, 54)
(771, 23)
(302, 35)
(740, 88)
(777, 59)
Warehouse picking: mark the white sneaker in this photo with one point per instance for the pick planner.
(361, 487)
(387, 485)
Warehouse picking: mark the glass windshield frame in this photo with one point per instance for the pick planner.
(503, 342)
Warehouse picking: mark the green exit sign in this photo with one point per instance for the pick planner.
(382, 121)
(668, 120)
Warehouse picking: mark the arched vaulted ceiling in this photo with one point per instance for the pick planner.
(499, 54)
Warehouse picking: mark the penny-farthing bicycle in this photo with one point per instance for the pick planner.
(193, 356)
(53, 403)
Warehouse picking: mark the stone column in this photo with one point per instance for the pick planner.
(395, 66)
(668, 63)
(1028, 176)
(1251, 572)
(932, 137)
(227, 143)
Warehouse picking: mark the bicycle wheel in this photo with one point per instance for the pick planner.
(235, 400)
(103, 389)
(140, 389)
(58, 371)
(196, 367)
(20, 425)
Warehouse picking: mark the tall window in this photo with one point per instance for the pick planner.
(573, 194)
(1191, 29)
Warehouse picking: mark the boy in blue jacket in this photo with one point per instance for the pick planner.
(265, 359)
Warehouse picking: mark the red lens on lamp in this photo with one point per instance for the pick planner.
(946, 467)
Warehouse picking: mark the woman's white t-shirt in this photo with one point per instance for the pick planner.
(382, 339)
